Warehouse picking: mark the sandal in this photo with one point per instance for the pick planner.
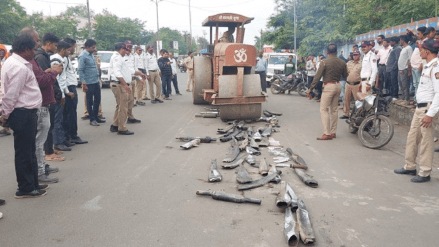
(54, 157)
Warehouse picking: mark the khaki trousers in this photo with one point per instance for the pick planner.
(123, 99)
(350, 90)
(190, 80)
(419, 143)
(155, 80)
(329, 107)
(140, 85)
(131, 99)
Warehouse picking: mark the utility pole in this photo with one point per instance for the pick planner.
(89, 19)
(295, 29)
(190, 26)
(157, 14)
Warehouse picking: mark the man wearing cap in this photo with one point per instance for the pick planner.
(392, 67)
(369, 68)
(352, 83)
(153, 75)
(382, 56)
(129, 60)
(420, 137)
(121, 89)
(139, 64)
(331, 69)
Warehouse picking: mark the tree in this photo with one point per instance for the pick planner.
(13, 19)
(78, 11)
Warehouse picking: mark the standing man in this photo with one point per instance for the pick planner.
(404, 67)
(129, 60)
(420, 136)
(139, 64)
(369, 68)
(189, 63)
(22, 98)
(331, 69)
(429, 33)
(310, 69)
(71, 104)
(382, 56)
(153, 75)
(380, 44)
(392, 67)
(89, 76)
(174, 74)
(352, 83)
(260, 69)
(289, 66)
(166, 73)
(416, 60)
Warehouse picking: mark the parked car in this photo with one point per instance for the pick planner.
(105, 57)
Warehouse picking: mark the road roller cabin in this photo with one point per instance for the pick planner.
(224, 76)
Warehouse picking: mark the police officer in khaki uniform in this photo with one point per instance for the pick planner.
(189, 63)
(352, 83)
(420, 136)
(332, 69)
(369, 68)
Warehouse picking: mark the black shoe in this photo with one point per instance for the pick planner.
(2, 202)
(167, 98)
(46, 179)
(133, 120)
(94, 123)
(153, 101)
(101, 120)
(344, 117)
(158, 100)
(126, 133)
(141, 103)
(179, 93)
(62, 147)
(68, 143)
(101, 117)
(78, 140)
(49, 169)
(85, 117)
(32, 194)
(419, 179)
(404, 171)
(43, 186)
(113, 128)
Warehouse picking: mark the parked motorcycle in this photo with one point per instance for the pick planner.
(182, 66)
(292, 82)
(369, 119)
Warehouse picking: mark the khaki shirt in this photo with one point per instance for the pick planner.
(354, 69)
(189, 62)
(332, 69)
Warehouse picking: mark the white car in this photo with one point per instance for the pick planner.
(105, 57)
(276, 63)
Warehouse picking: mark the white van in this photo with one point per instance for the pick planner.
(276, 63)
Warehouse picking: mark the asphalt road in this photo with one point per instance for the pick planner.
(140, 190)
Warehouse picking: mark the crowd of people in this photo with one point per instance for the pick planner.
(39, 98)
(393, 69)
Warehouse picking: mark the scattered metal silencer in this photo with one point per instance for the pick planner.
(214, 175)
(273, 170)
(252, 151)
(271, 113)
(250, 159)
(221, 196)
(233, 165)
(257, 183)
(263, 167)
(306, 179)
(206, 139)
(298, 160)
(189, 145)
(290, 228)
(305, 227)
(286, 197)
(233, 152)
(207, 114)
(267, 131)
(242, 175)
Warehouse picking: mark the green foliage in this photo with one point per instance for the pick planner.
(320, 22)
(12, 19)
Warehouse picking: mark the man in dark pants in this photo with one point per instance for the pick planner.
(70, 118)
(166, 70)
(89, 75)
(22, 98)
(392, 67)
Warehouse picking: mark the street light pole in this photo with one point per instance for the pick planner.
(89, 19)
(157, 14)
(295, 29)
(190, 26)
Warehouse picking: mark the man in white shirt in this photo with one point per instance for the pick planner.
(416, 60)
(153, 75)
(139, 64)
(369, 68)
(310, 69)
(382, 56)
(404, 67)
(174, 74)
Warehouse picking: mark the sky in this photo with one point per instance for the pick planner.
(172, 13)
